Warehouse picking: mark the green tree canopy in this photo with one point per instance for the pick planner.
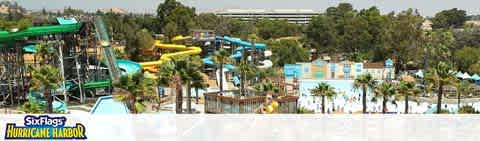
(466, 57)
(288, 52)
(454, 18)
(136, 91)
(173, 12)
(268, 29)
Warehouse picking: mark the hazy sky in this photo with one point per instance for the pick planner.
(426, 7)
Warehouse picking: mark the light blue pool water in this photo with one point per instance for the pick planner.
(107, 105)
(343, 87)
(348, 99)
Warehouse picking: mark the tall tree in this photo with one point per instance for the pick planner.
(465, 58)
(46, 78)
(365, 82)
(406, 34)
(199, 82)
(463, 88)
(288, 52)
(324, 90)
(385, 91)
(247, 72)
(407, 90)
(439, 76)
(174, 12)
(183, 71)
(322, 35)
(242, 29)
(220, 58)
(136, 91)
(142, 41)
(452, 18)
(268, 29)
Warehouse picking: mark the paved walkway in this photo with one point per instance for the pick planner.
(433, 100)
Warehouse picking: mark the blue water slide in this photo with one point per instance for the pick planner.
(242, 43)
(128, 67)
(209, 62)
(229, 67)
(237, 56)
(37, 97)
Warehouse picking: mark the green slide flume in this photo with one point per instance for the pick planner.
(39, 31)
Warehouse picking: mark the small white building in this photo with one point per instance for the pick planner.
(380, 71)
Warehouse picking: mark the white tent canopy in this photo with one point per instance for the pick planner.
(466, 76)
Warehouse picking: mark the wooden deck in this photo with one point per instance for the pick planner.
(225, 104)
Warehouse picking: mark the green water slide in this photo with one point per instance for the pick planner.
(39, 31)
(98, 84)
(114, 66)
(109, 55)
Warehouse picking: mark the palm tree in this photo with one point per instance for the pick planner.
(247, 72)
(46, 78)
(406, 89)
(178, 72)
(220, 58)
(199, 83)
(385, 91)
(331, 94)
(165, 77)
(463, 88)
(266, 88)
(440, 76)
(191, 74)
(268, 74)
(46, 52)
(135, 91)
(31, 107)
(364, 82)
(324, 90)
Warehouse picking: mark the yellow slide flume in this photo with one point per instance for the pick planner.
(182, 51)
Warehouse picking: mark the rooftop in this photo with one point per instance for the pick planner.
(115, 10)
(373, 65)
(267, 11)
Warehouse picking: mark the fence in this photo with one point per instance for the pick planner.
(223, 104)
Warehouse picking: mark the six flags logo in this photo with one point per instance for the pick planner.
(44, 127)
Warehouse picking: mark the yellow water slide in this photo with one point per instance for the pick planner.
(182, 51)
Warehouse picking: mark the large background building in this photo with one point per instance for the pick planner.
(297, 16)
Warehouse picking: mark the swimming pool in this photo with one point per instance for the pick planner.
(349, 100)
(107, 105)
(343, 87)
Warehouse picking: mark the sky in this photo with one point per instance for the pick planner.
(425, 7)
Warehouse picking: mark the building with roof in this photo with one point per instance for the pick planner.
(345, 70)
(115, 11)
(296, 16)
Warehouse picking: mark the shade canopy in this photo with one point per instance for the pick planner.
(475, 77)
(466, 76)
(459, 74)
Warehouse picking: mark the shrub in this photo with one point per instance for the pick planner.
(467, 110)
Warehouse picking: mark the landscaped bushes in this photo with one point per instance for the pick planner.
(467, 110)
(21, 24)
